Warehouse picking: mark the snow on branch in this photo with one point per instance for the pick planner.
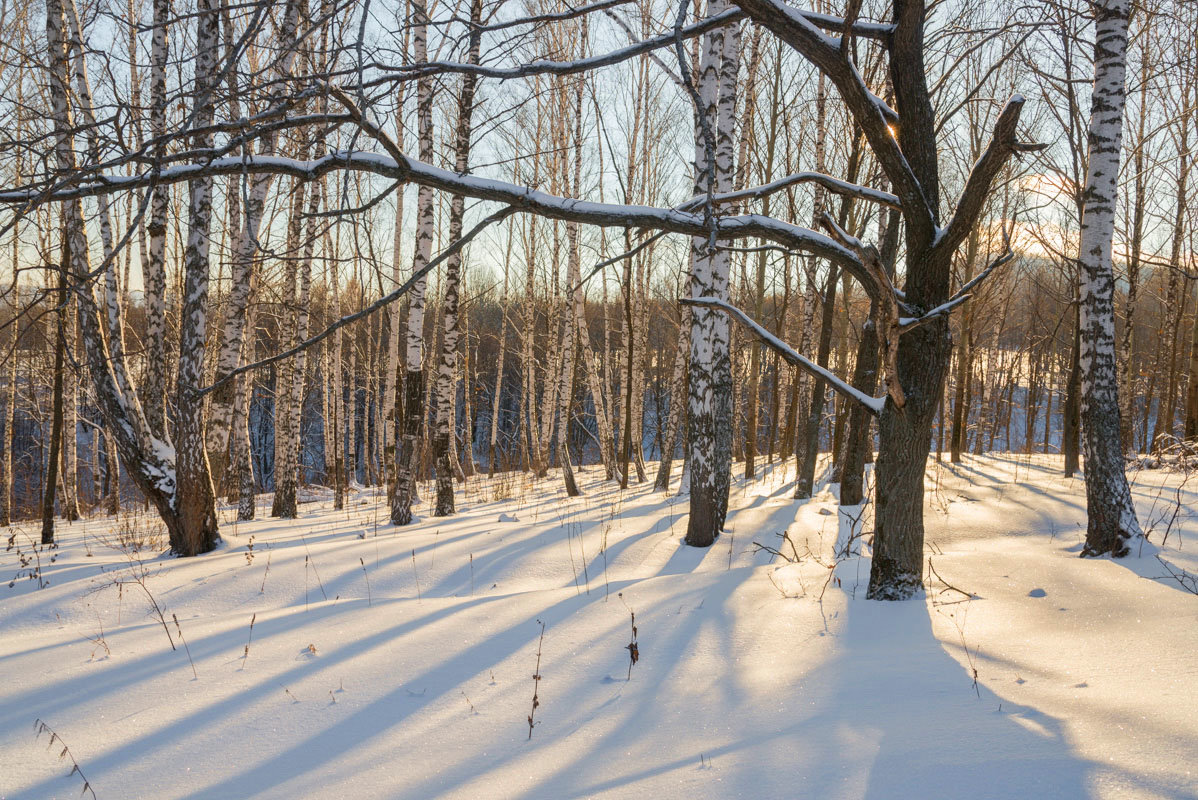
(399, 167)
(866, 30)
(791, 356)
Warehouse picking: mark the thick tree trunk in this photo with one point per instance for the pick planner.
(709, 421)
(196, 501)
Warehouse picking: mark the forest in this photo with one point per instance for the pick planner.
(824, 345)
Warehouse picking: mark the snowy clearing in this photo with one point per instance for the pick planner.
(387, 662)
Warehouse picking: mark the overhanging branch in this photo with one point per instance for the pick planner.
(872, 404)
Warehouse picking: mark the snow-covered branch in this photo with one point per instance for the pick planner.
(964, 292)
(399, 167)
(788, 354)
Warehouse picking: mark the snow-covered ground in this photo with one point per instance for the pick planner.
(388, 663)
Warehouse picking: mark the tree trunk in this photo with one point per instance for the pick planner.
(709, 420)
(196, 502)
(865, 379)
(957, 439)
(414, 409)
(678, 394)
(154, 391)
(447, 369)
(1071, 413)
(50, 486)
(288, 372)
(8, 405)
(497, 396)
(1111, 516)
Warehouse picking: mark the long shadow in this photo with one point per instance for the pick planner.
(895, 717)
(387, 712)
(705, 610)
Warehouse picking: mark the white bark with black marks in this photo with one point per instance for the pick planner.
(1111, 516)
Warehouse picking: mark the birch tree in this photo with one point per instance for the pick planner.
(448, 366)
(1111, 516)
(414, 409)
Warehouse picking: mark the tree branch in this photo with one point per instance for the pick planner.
(1003, 145)
(520, 198)
(873, 404)
(399, 292)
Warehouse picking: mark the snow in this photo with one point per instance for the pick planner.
(756, 677)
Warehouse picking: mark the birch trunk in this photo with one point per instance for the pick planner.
(391, 375)
(710, 391)
(414, 409)
(245, 248)
(154, 392)
(528, 404)
(149, 460)
(196, 503)
(448, 367)
(497, 396)
(1111, 517)
(289, 373)
(244, 485)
